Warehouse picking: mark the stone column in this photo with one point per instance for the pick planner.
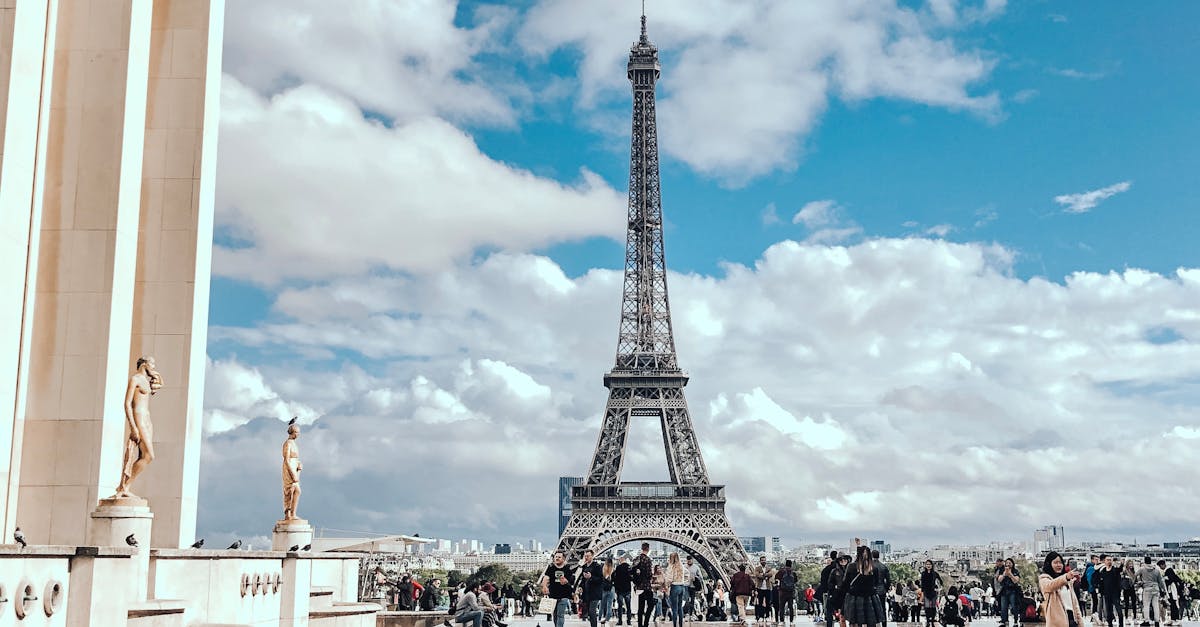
(26, 32)
(295, 599)
(288, 533)
(116, 520)
(170, 314)
(80, 344)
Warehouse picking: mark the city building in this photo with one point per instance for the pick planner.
(761, 544)
(1049, 538)
(884, 548)
(564, 501)
(502, 549)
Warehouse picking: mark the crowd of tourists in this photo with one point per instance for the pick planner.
(853, 591)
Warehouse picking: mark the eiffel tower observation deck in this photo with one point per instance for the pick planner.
(646, 383)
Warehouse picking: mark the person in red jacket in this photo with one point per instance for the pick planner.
(810, 598)
(741, 586)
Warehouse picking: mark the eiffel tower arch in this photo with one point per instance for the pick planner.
(646, 383)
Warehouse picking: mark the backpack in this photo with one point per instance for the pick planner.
(788, 580)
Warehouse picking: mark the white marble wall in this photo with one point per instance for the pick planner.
(25, 32)
(74, 421)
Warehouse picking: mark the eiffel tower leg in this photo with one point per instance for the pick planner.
(610, 447)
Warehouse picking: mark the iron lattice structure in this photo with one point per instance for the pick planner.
(646, 383)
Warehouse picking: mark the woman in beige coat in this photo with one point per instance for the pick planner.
(1061, 608)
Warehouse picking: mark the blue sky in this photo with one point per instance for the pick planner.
(373, 179)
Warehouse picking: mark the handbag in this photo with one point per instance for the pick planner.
(547, 605)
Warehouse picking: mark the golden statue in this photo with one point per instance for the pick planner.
(291, 472)
(139, 447)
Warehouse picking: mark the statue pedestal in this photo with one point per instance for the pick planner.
(112, 521)
(289, 533)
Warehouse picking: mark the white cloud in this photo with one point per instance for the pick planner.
(923, 357)
(816, 214)
(235, 394)
(407, 60)
(940, 230)
(319, 191)
(1086, 201)
(787, 58)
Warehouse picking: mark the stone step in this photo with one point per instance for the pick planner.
(156, 613)
(345, 614)
(320, 597)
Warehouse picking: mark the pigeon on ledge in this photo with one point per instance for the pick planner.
(294, 548)
(198, 543)
(307, 547)
(237, 544)
(19, 537)
(130, 540)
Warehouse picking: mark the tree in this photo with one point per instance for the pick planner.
(496, 573)
(901, 572)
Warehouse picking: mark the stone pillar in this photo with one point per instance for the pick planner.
(170, 311)
(26, 32)
(289, 533)
(115, 520)
(80, 344)
(294, 600)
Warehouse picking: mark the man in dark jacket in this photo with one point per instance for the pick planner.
(1108, 581)
(883, 583)
(622, 579)
(591, 579)
(741, 586)
(643, 574)
(823, 587)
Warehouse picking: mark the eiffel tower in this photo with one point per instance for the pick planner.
(647, 384)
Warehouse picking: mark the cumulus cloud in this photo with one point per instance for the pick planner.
(308, 187)
(1086, 201)
(878, 376)
(785, 60)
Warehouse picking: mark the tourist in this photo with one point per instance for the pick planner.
(931, 581)
(785, 599)
(431, 596)
(608, 596)
(810, 600)
(741, 585)
(1008, 585)
(977, 597)
(858, 599)
(558, 582)
(643, 579)
(681, 582)
(1060, 607)
(622, 580)
(952, 610)
(1108, 583)
(720, 596)
(1175, 592)
(662, 588)
(404, 594)
(527, 599)
(591, 581)
(1093, 596)
(1128, 596)
(912, 597)
(694, 602)
(825, 586)
(989, 598)
(764, 577)
(883, 583)
(467, 609)
(491, 610)
(1153, 586)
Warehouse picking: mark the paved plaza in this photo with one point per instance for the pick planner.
(801, 621)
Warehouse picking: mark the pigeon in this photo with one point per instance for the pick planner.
(294, 548)
(19, 537)
(293, 420)
(198, 543)
(130, 540)
(307, 547)
(237, 544)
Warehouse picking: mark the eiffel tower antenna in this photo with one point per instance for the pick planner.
(646, 383)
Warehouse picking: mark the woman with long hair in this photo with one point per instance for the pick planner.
(1061, 608)
(860, 604)
(608, 594)
(658, 584)
(681, 582)
(930, 582)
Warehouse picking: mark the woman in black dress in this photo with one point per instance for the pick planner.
(860, 605)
